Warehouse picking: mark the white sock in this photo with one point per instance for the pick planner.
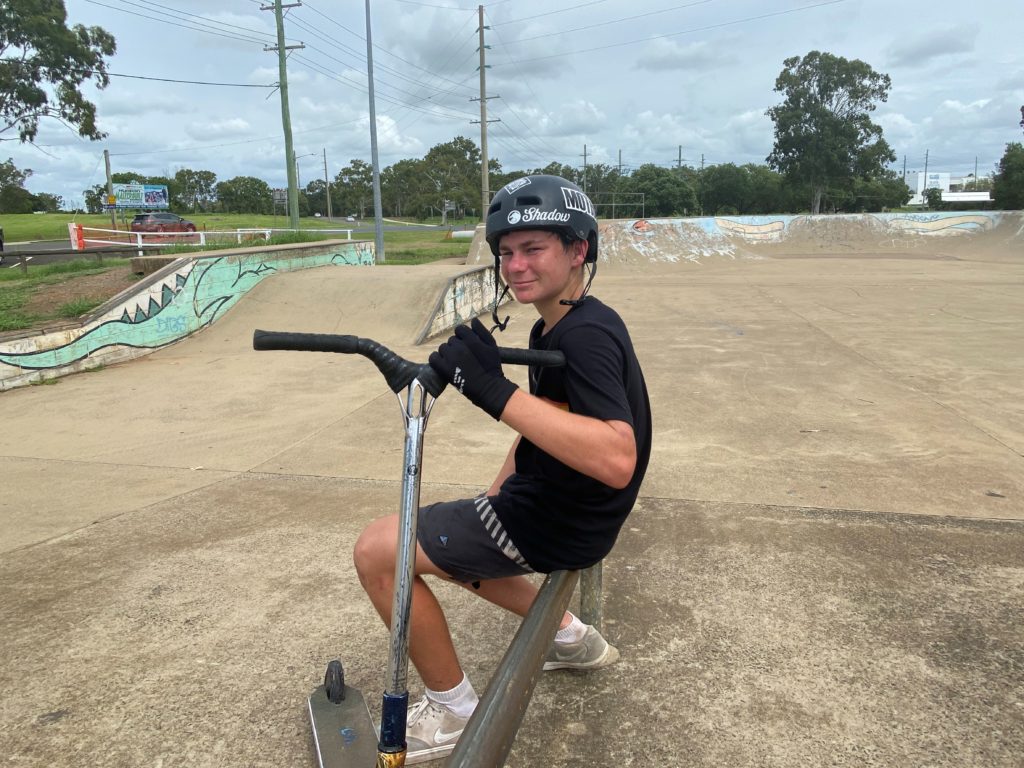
(461, 699)
(573, 633)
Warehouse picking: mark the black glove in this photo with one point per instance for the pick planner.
(470, 361)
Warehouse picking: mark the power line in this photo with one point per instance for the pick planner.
(187, 82)
(182, 25)
(615, 21)
(676, 34)
(384, 50)
(549, 13)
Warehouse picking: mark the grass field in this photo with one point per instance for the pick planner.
(69, 289)
(54, 226)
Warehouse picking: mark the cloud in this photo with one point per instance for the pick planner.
(934, 44)
(662, 54)
(229, 128)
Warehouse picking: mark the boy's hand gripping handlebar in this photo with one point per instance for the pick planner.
(398, 372)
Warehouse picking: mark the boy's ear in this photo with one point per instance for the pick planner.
(579, 252)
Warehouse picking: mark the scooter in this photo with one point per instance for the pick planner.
(343, 730)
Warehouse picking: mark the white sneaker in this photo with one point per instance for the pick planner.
(591, 652)
(431, 731)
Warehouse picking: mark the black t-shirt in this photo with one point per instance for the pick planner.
(558, 517)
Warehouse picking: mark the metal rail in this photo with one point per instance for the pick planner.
(491, 730)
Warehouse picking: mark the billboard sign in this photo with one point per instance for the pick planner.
(152, 196)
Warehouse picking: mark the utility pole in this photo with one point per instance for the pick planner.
(700, 185)
(327, 181)
(286, 120)
(620, 162)
(485, 171)
(975, 173)
(378, 213)
(904, 169)
(584, 168)
(110, 190)
(679, 160)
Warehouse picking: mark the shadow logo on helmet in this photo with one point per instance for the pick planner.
(514, 217)
(536, 214)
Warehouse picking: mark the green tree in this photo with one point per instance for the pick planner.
(14, 198)
(193, 190)
(768, 191)
(49, 203)
(665, 193)
(933, 197)
(1008, 186)
(43, 64)
(352, 189)
(726, 190)
(824, 136)
(573, 174)
(402, 188)
(453, 170)
(882, 192)
(602, 184)
(17, 200)
(315, 194)
(245, 194)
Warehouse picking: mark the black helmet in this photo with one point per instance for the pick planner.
(542, 202)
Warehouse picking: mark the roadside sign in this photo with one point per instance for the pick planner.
(149, 196)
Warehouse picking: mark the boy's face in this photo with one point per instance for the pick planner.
(538, 268)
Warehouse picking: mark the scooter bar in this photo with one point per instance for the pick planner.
(398, 372)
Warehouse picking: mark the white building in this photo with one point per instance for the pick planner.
(943, 182)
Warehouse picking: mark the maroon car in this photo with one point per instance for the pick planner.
(161, 222)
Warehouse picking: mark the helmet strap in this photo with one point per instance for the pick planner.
(498, 324)
(586, 289)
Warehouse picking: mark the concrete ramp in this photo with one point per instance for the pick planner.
(389, 304)
(631, 244)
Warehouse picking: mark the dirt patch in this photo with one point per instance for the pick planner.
(45, 300)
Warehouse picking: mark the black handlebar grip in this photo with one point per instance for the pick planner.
(305, 342)
(542, 358)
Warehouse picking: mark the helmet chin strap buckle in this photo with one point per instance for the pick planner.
(498, 324)
(586, 289)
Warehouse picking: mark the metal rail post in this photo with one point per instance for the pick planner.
(489, 734)
(591, 607)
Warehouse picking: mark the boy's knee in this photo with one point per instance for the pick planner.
(372, 554)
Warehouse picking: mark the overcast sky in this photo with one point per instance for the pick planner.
(640, 77)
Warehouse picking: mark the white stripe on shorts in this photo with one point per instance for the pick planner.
(493, 526)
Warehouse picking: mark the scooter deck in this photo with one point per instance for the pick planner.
(343, 733)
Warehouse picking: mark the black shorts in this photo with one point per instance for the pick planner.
(465, 540)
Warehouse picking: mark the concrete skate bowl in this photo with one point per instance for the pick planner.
(629, 244)
(394, 305)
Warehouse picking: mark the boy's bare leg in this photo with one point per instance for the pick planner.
(515, 594)
(430, 642)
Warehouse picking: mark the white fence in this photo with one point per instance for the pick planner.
(87, 237)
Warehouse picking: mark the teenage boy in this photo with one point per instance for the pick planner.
(570, 478)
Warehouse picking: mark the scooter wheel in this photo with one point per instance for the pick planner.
(334, 682)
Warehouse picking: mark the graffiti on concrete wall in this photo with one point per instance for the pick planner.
(466, 296)
(674, 240)
(193, 294)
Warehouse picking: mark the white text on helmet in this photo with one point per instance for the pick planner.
(577, 201)
(536, 214)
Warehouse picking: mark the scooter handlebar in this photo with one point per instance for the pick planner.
(397, 371)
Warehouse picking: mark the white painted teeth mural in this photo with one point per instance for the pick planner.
(152, 315)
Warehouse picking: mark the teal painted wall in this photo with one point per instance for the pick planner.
(174, 303)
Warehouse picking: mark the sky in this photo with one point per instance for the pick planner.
(608, 81)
